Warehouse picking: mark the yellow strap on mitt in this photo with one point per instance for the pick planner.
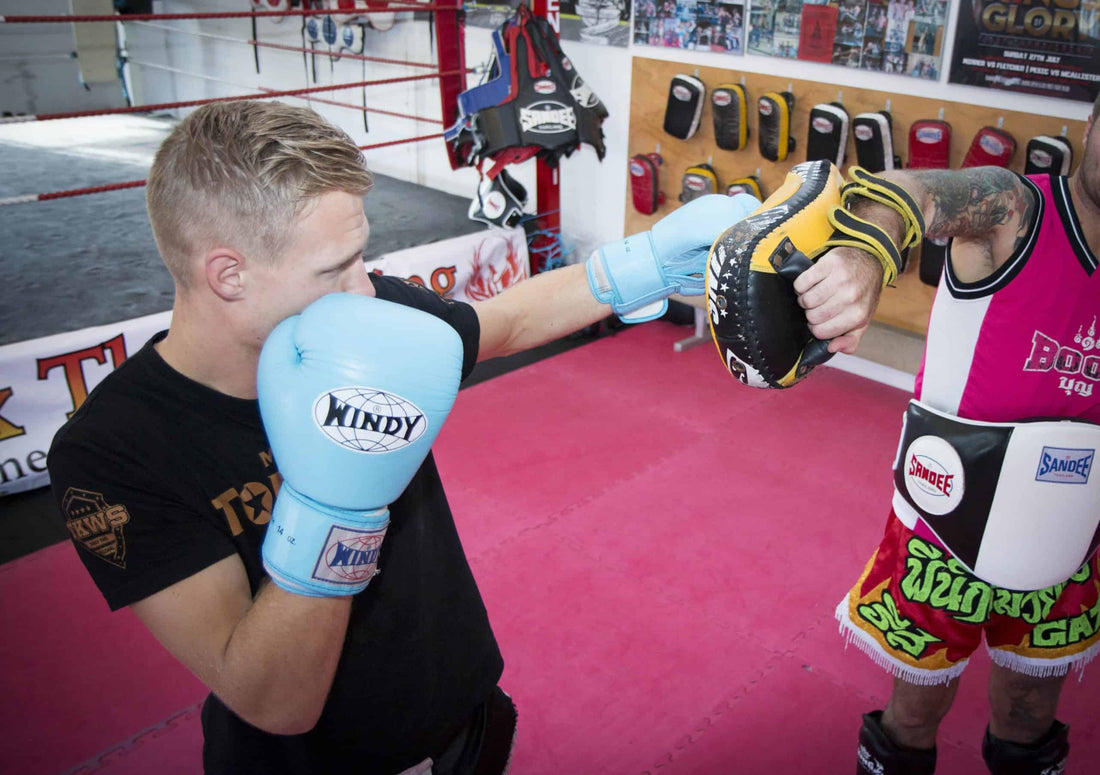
(850, 231)
(869, 186)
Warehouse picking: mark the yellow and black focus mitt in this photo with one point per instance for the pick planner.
(755, 319)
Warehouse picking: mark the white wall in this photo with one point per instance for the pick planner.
(593, 194)
(38, 73)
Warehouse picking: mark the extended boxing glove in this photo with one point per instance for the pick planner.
(637, 274)
(352, 392)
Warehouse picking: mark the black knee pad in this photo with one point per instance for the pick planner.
(1045, 757)
(879, 755)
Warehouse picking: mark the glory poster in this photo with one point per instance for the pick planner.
(1046, 47)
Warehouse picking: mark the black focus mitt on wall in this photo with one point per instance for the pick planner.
(776, 109)
(875, 141)
(699, 180)
(685, 106)
(828, 134)
(750, 184)
(1048, 154)
(729, 105)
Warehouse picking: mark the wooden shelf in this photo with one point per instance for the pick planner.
(908, 304)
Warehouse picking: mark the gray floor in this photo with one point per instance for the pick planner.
(71, 263)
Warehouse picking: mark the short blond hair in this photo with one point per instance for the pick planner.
(237, 174)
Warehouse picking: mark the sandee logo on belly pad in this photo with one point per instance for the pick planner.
(1065, 466)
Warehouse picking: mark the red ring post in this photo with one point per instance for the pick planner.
(547, 183)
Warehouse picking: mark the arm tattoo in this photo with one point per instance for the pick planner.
(973, 202)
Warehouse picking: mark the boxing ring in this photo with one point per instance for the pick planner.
(668, 611)
(74, 308)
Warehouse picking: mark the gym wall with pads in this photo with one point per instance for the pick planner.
(906, 305)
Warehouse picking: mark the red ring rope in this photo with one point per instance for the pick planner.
(283, 47)
(148, 17)
(308, 98)
(193, 103)
(24, 198)
(399, 142)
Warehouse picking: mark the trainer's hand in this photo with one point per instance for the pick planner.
(839, 293)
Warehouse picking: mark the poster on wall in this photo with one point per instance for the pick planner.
(905, 37)
(1052, 50)
(716, 25)
(603, 22)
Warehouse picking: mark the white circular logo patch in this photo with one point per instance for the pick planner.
(929, 134)
(636, 169)
(366, 419)
(934, 475)
(991, 145)
(695, 184)
(545, 87)
(864, 132)
(722, 98)
(765, 107)
(823, 125)
(1041, 158)
(681, 92)
(493, 205)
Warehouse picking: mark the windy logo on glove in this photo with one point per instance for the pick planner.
(368, 420)
(349, 556)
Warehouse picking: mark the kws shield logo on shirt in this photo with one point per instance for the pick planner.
(96, 525)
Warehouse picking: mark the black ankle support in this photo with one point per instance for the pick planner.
(879, 755)
(1047, 756)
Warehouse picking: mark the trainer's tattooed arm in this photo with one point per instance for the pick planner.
(986, 210)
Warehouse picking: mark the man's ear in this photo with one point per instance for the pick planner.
(225, 273)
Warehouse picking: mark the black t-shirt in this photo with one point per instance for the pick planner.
(159, 477)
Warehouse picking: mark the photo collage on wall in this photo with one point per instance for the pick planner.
(603, 22)
(715, 25)
(890, 36)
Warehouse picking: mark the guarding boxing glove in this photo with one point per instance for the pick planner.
(637, 274)
(352, 392)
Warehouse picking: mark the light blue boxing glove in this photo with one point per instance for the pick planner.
(353, 392)
(637, 274)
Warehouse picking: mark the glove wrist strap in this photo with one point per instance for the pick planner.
(626, 275)
(320, 551)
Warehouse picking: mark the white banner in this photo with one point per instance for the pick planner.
(471, 268)
(43, 381)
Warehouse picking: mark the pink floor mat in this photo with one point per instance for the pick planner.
(660, 550)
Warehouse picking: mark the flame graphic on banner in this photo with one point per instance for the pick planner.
(486, 279)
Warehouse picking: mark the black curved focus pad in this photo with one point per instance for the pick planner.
(756, 322)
